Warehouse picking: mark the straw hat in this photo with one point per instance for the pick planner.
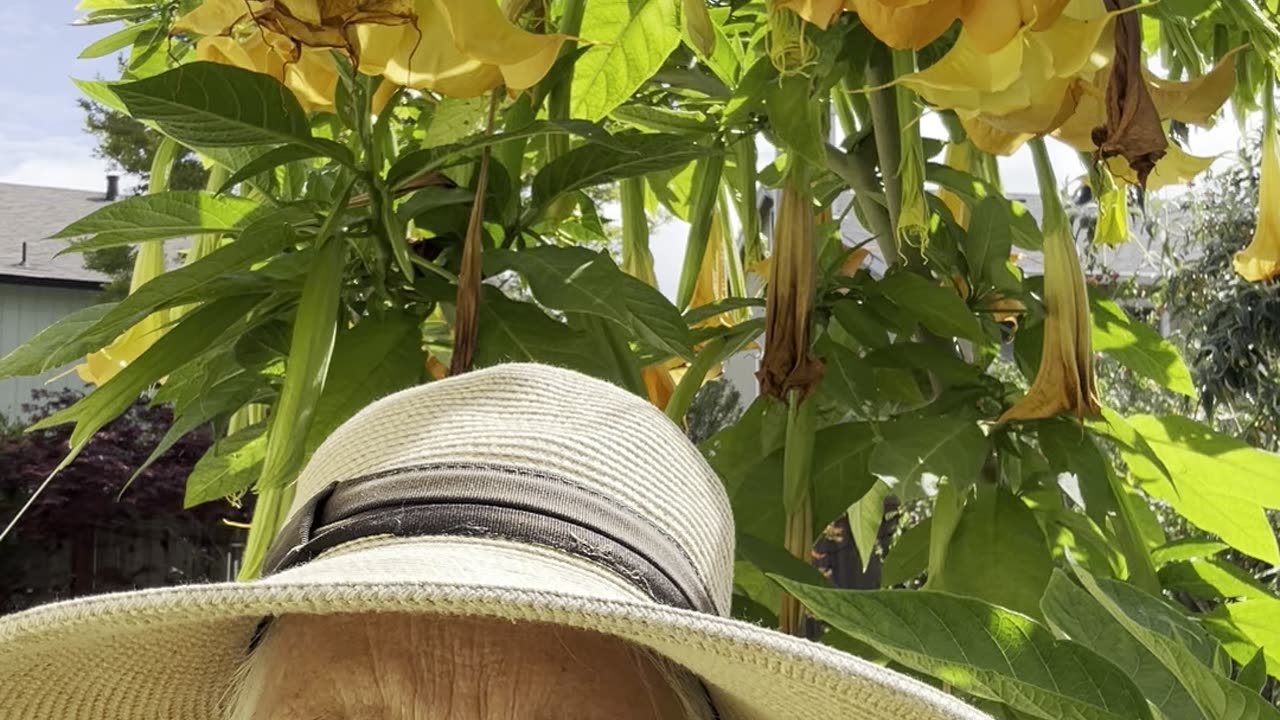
(520, 493)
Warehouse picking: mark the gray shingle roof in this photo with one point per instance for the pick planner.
(31, 214)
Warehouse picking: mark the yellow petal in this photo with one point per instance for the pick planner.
(101, 366)
(960, 157)
(1175, 168)
(1113, 215)
(991, 24)
(819, 12)
(1195, 101)
(424, 57)
(713, 275)
(658, 385)
(1260, 261)
(993, 140)
(965, 76)
(907, 27)
(216, 17)
(313, 79)
(1064, 381)
(481, 31)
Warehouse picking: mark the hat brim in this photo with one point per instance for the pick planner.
(170, 653)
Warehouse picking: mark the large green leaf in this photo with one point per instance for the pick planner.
(422, 161)
(511, 331)
(988, 242)
(1218, 483)
(210, 277)
(572, 279)
(1068, 449)
(159, 217)
(229, 467)
(1071, 611)
(377, 357)
(209, 104)
(629, 156)
(939, 309)
(654, 319)
(1244, 627)
(796, 119)
(183, 341)
(997, 553)
(1184, 649)
(947, 446)
(1213, 580)
(1190, 548)
(980, 649)
(865, 518)
(633, 38)
(839, 468)
(908, 557)
(1139, 348)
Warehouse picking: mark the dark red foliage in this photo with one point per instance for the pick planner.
(92, 490)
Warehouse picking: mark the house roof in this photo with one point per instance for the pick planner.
(30, 214)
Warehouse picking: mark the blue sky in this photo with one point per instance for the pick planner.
(42, 141)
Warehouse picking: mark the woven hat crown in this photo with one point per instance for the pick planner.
(547, 421)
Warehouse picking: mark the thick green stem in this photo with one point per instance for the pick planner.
(884, 118)
(733, 257)
(797, 496)
(744, 150)
(558, 95)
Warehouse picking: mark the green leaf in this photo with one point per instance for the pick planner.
(174, 348)
(118, 40)
(796, 118)
(1212, 580)
(159, 217)
(209, 104)
(908, 558)
(860, 322)
(591, 165)
(693, 316)
(1136, 346)
(511, 331)
(1255, 621)
(420, 162)
(44, 350)
(276, 157)
(988, 242)
(839, 469)
(1189, 548)
(92, 329)
(973, 191)
(656, 118)
(1072, 612)
(980, 649)
(1253, 674)
(997, 553)
(1067, 448)
(228, 468)
(865, 518)
(1181, 647)
(101, 93)
(632, 39)
(950, 447)
(938, 309)
(377, 357)
(572, 279)
(654, 319)
(1218, 483)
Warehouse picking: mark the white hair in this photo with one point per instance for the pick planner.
(251, 685)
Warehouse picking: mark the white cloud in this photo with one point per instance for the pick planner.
(64, 162)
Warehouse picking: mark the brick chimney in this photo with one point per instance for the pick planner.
(113, 187)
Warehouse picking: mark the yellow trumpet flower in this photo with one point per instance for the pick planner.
(1260, 261)
(461, 48)
(912, 24)
(1065, 380)
(101, 366)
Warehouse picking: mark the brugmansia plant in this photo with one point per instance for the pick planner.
(406, 189)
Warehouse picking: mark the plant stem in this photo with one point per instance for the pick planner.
(884, 118)
(797, 496)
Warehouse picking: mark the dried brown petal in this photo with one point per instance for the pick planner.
(1133, 128)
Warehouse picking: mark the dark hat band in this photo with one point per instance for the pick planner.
(486, 501)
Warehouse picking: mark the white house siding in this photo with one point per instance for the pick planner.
(24, 311)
